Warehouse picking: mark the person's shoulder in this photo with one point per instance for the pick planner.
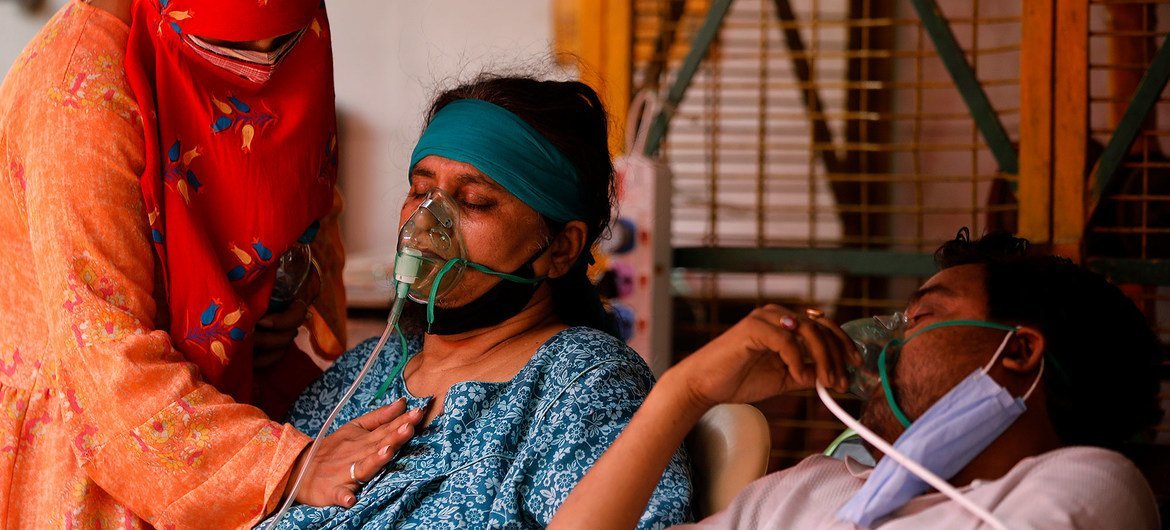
(580, 348)
(1096, 467)
(367, 345)
(1077, 460)
(818, 469)
(76, 64)
(802, 496)
(588, 358)
(1096, 484)
(582, 364)
(97, 27)
(77, 35)
(815, 477)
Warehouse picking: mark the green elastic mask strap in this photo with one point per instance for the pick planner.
(883, 372)
(456, 261)
(393, 373)
(841, 438)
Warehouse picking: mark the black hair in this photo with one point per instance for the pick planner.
(1101, 375)
(569, 114)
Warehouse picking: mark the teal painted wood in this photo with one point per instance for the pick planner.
(1147, 94)
(699, 46)
(969, 88)
(1132, 270)
(880, 263)
(828, 260)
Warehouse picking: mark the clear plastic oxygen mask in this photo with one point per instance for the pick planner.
(871, 335)
(431, 234)
(429, 248)
(291, 272)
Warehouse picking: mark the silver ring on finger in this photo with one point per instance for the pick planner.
(353, 474)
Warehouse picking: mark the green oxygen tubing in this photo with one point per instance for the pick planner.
(406, 268)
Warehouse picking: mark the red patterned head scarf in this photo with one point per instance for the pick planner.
(238, 167)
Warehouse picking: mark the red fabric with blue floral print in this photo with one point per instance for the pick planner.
(236, 171)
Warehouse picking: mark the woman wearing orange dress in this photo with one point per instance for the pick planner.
(158, 157)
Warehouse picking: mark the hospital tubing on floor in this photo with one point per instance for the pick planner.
(914, 467)
(405, 273)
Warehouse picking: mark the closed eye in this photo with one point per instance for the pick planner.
(474, 200)
(476, 206)
(917, 318)
(916, 315)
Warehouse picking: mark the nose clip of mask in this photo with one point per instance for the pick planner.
(444, 214)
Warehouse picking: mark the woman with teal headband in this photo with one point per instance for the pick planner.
(509, 352)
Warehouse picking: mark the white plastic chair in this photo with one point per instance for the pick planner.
(729, 449)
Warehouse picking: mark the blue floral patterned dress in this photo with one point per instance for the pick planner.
(501, 455)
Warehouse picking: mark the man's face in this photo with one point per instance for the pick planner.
(934, 362)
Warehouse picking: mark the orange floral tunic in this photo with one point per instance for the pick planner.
(103, 424)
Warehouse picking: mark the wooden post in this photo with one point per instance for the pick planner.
(595, 37)
(618, 67)
(1036, 90)
(1071, 126)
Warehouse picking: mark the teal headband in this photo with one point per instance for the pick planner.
(510, 151)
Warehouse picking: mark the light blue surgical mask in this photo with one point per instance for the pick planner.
(951, 433)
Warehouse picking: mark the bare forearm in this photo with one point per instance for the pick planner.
(761, 356)
(615, 492)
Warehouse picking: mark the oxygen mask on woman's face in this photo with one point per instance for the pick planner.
(432, 239)
(431, 235)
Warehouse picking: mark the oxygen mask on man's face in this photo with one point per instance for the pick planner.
(872, 336)
(432, 235)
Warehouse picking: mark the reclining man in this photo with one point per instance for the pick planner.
(1018, 375)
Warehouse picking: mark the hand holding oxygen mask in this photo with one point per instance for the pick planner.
(770, 352)
(298, 283)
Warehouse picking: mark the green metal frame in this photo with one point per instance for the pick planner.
(857, 262)
(879, 263)
(945, 44)
(885, 263)
(969, 88)
(699, 46)
(1147, 94)
(1132, 270)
